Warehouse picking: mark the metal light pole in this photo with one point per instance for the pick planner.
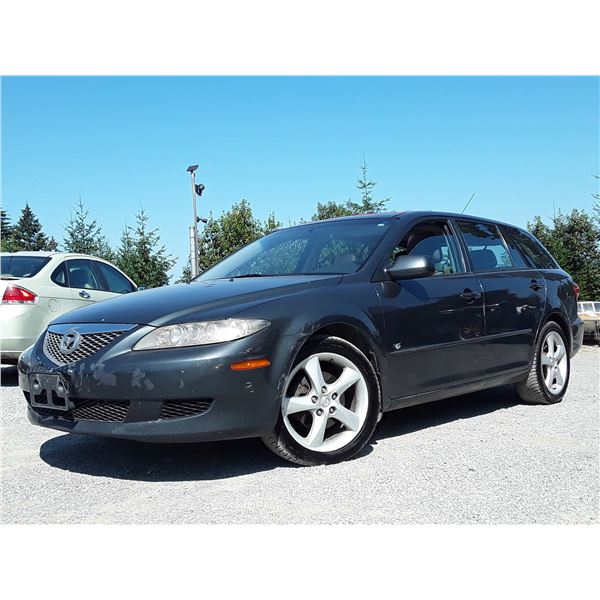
(192, 171)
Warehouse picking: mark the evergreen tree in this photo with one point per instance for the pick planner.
(574, 241)
(84, 235)
(186, 274)
(367, 203)
(365, 186)
(28, 233)
(140, 255)
(7, 242)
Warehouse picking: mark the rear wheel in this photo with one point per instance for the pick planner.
(549, 375)
(330, 404)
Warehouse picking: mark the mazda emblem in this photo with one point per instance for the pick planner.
(70, 341)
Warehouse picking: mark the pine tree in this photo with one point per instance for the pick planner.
(367, 203)
(574, 241)
(186, 274)
(7, 242)
(140, 255)
(28, 233)
(84, 235)
(365, 186)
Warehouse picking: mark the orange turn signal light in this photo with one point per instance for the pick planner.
(248, 365)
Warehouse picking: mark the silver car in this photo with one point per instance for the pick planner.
(37, 287)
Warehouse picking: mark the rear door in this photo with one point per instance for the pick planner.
(514, 296)
(434, 325)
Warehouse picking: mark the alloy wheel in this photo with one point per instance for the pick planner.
(554, 363)
(326, 402)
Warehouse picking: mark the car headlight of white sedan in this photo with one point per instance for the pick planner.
(200, 333)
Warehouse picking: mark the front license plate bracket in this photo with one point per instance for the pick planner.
(49, 391)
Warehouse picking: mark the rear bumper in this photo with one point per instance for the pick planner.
(20, 326)
(577, 330)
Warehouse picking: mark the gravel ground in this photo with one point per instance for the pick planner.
(481, 458)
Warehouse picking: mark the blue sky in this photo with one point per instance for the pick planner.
(522, 144)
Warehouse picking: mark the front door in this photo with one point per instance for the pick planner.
(434, 325)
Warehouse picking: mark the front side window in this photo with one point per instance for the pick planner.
(81, 275)
(115, 282)
(486, 246)
(434, 240)
(323, 248)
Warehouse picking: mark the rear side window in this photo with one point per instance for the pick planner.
(22, 266)
(81, 275)
(486, 246)
(534, 254)
(115, 281)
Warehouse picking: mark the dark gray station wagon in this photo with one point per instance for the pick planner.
(306, 336)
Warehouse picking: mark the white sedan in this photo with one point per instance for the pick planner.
(36, 287)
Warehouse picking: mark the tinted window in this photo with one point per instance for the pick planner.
(597, 306)
(534, 254)
(59, 275)
(115, 281)
(325, 247)
(486, 246)
(434, 240)
(81, 275)
(515, 254)
(22, 266)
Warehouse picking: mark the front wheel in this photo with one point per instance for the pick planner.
(549, 375)
(330, 404)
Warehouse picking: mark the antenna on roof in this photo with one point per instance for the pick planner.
(467, 204)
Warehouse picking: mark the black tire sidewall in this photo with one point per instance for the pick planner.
(550, 397)
(347, 350)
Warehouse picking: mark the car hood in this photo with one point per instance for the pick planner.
(173, 303)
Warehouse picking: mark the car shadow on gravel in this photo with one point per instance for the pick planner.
(123, 459)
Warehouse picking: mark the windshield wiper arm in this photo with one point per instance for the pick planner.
(248, 275)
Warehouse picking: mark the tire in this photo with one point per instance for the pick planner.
(346, 419)
(535, 389)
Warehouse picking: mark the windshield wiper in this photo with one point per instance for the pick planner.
(248, 275)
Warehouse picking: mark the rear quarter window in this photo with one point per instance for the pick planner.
(534, 254)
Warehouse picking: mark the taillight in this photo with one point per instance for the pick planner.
(15, 294)
(576, 289)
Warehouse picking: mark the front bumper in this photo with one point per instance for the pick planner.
(242, 403)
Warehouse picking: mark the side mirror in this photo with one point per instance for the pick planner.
(410, 267)
(141, 288)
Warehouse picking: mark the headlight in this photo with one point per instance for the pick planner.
(200, 333)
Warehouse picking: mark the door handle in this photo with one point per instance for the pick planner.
(84, 295)
(470, 295)
(536, 285)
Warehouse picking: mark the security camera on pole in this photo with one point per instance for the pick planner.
(197, 190)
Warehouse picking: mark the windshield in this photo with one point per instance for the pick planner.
(22, 266)
(338, 247)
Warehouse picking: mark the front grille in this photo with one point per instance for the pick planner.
(90, 410)
(90, 344)
(177, 409)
